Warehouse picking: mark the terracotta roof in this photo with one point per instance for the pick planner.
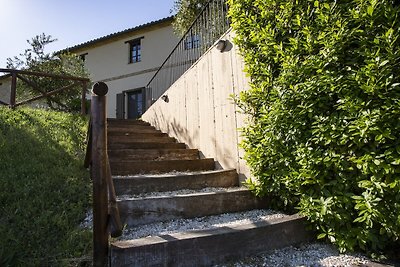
(117, 34)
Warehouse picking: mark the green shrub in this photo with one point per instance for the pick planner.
(44, 188)
(324, 107)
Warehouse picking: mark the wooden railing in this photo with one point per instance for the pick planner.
(106, 219)
(19, 75)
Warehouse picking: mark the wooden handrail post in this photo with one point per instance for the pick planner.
(99, 174)
(83, 98)
(13, 90)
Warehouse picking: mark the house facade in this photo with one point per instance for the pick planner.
(5, 84)
(126, 61)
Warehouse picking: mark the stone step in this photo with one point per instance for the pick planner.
(141, 184)
(128, 139)
(144, 209)
(210, 246)
(138, 145)
(153, 154)
(113, 121)
(141, 167)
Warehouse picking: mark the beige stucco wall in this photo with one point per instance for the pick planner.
(200, 111)
(5, 89)
(110, 62)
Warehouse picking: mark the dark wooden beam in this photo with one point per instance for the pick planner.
(115, 218)
(42, 74)
(47, 94)
(30, 83)
(99, 174)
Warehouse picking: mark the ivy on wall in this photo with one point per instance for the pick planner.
(324, 103)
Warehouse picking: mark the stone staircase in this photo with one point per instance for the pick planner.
(159, 180)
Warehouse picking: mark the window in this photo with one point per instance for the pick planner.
(135, 51)
(192, 41)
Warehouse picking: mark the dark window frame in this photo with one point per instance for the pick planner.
(139, 90)
(135, 50)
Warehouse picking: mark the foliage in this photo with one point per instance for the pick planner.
(186, 12)
(44, 187)
(35, 59)
(324, 104)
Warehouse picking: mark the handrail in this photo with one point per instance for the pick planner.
(44, 74)
(17, 74)
(205, 30)
(106, 218)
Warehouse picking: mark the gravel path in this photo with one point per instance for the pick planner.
(208, 222)
(307, 255)
(181, 192)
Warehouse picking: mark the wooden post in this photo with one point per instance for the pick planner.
(83, 98)
(115, 219)
(99, 174)
(13, 90)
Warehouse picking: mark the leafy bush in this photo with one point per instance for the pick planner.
(44, 188)
(186, 12)
(324, 105)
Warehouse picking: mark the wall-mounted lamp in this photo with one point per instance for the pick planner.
(165, 98)
(221, 45)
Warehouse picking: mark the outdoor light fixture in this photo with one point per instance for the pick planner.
(221, 45)
(165, 98)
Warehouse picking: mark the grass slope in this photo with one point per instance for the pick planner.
(44, 188)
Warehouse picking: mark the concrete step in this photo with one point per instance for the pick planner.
(113, 121)
(141, 145)
(143, 209)
(141, 184)
(210, 246)
(140, 167)
(149, 139)
(153, 154)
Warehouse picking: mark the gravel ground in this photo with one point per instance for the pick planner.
(208, 222)
(166, 174)
(180, 192)
(307, 255)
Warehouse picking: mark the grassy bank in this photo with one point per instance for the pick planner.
(44, 188)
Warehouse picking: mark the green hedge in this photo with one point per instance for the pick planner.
(45, 191)
(324, 103)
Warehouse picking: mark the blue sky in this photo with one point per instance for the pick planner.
(71, 21)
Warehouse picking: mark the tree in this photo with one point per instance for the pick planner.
(186, 12)
(36, 59)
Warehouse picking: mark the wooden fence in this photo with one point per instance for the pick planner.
(22, 76)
